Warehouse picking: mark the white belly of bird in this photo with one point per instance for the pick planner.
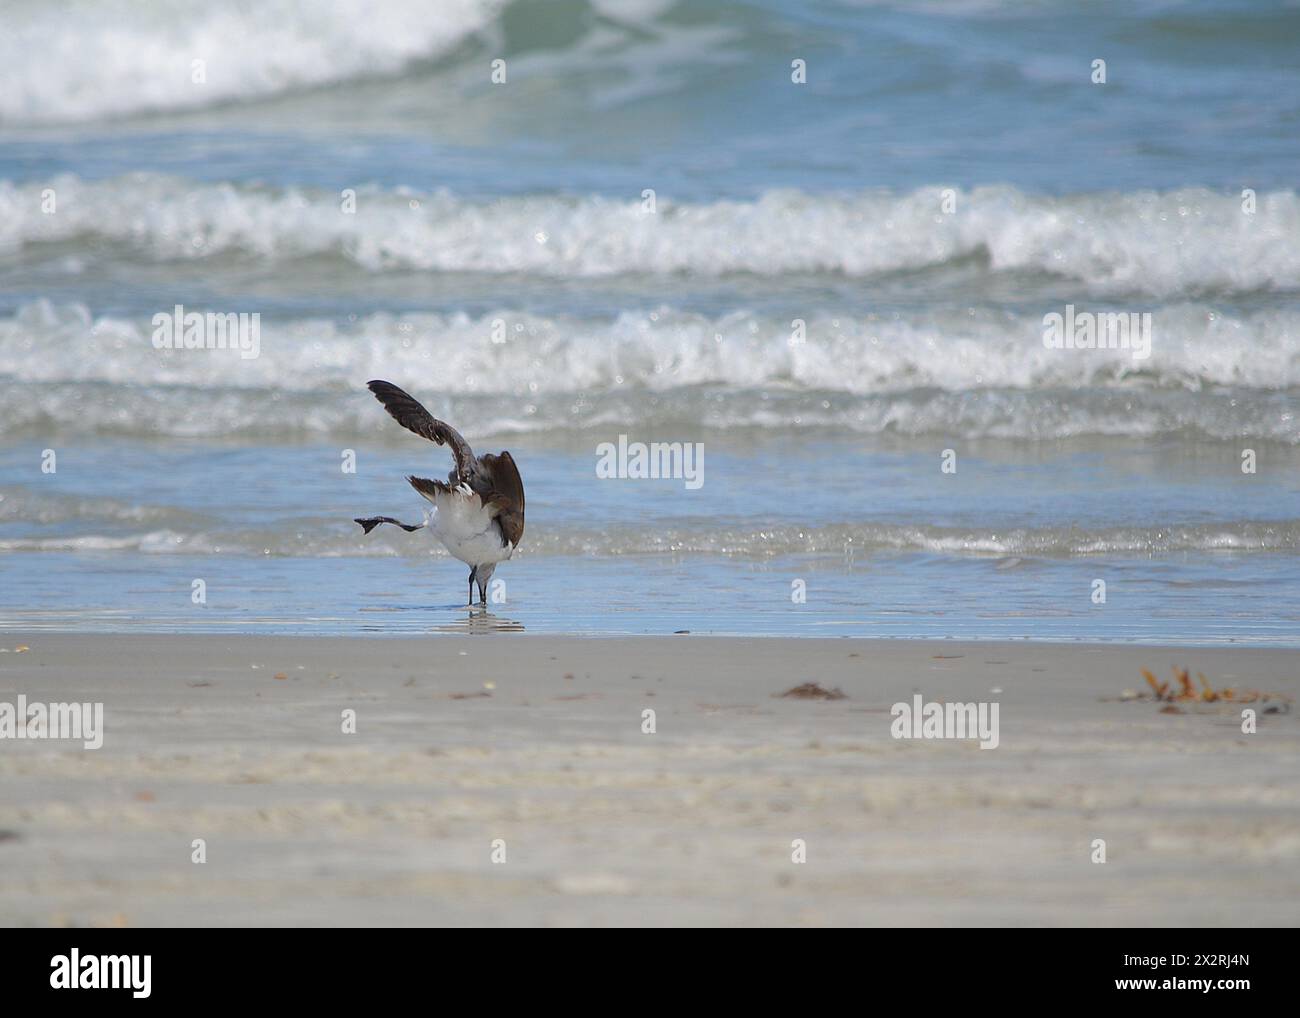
(466, 530)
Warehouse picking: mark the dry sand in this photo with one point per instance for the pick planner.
(538, 741)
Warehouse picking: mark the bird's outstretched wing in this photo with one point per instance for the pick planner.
(505, 494)
(408, 412)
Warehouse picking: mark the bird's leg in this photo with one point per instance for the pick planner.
(473, 571)
(368, 523)
(484, 576)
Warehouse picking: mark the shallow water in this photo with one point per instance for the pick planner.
(502, 263)
(784, 536)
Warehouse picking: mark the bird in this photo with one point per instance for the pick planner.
(478, 512)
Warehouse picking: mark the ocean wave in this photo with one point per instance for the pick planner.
(81, 409)
(69, 62)
(972, 373)
(1187, 242)
(342, 539)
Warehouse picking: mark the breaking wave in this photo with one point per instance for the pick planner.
(1164, 244)
(972, 373)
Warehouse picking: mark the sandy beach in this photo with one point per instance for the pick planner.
(939, 360)
(538, 742)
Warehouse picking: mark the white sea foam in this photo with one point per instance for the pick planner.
(972, 373)
(1184, 242)
(1195, 347)
(341, 539)
(63, 62)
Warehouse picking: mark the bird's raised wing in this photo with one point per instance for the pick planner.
(505, 494)
(410, 414)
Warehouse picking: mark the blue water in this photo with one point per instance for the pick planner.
(519, 210)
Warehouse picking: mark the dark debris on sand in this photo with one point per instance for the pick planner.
(812, 691)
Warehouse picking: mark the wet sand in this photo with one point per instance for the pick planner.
(537, 741)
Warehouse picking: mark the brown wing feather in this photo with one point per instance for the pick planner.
(506, 494)
(407, 411)
(429, 489)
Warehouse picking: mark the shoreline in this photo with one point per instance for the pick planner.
(237, 740)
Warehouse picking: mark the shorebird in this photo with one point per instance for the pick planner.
(478, 512)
